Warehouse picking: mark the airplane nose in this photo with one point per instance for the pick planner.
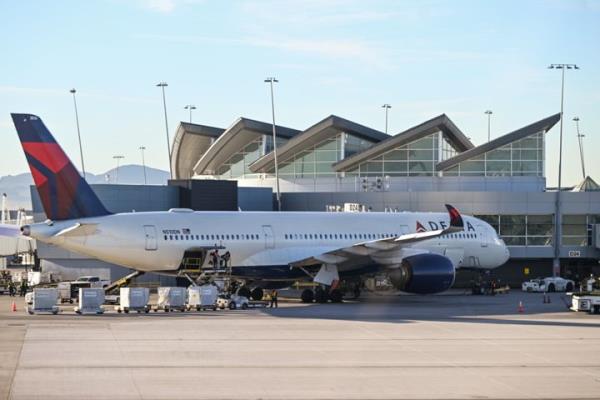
(506, 254)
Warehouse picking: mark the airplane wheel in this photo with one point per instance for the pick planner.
(336, 296)
(244, 306)
(569, 287)
(257, 294)
(244, 291)
(232, 305)
(320, 295)
(307, 296)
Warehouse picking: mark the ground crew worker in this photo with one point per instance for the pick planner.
(226, 257)
(12, 290)
(23, 291)
(273, 299)
(215, 258)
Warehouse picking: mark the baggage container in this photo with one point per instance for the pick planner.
(202, 297)
(44, 300)
(171, 298)
(64, 292)
(90, 301)
(133, 299)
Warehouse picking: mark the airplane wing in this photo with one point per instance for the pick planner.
(362, 249)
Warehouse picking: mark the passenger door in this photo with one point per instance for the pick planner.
(268, 235)
(150, 231)
(484, 235)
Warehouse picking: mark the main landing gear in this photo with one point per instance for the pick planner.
(321, 295)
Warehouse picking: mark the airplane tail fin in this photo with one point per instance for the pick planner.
(63, 192)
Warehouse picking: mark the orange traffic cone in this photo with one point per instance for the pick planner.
(13, 307)
(521, 309)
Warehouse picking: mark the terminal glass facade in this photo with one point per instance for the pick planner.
(316, 161)
(524, 157)
(416, 158)
(237, 166)
(523, 230)
(576, 229)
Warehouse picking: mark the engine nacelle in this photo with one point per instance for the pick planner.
(424, 274)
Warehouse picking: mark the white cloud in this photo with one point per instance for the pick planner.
(32, 91)
(166, 6)
(53, 92)
(163, 6)
(366, 52)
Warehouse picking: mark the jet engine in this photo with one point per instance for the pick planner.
(423, 274)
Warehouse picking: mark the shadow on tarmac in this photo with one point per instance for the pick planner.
(499, 309)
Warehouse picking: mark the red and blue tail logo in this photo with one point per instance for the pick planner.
(64, 193)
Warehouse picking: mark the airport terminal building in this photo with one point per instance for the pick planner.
(337, 161)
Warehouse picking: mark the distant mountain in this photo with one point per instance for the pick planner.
(17, 186)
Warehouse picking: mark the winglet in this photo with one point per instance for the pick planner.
(456, 221)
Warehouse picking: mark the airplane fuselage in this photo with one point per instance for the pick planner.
(157, 241)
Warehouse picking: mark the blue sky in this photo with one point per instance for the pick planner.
(331, 57)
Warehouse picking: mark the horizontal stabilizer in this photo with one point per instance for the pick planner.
(77, 230)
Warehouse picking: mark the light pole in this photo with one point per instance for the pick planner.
(580, 139)
(118, 158)
(142, 148)
(558, 216)
(387, 108)
(271, 81)
(190, 107)
(489, 115)
(163, 85)
(73, 91)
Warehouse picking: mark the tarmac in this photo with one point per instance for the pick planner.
(451, 346)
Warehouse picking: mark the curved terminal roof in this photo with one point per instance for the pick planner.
(320, 131)
(190, 141)
(236, 137)
(542, 125)
(439, 123)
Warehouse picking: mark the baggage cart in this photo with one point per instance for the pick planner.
(133, 299)
(64, 292)
(44, 301)
(90, 301)
(202, 297)
(587, 301)
(171, 298)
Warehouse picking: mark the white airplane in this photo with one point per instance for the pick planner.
(419, 251)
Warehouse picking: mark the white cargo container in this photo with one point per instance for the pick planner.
(64, 292)
(202, 297)
(133, 299)
(44, 300)
(90, 301)
(171, 298)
